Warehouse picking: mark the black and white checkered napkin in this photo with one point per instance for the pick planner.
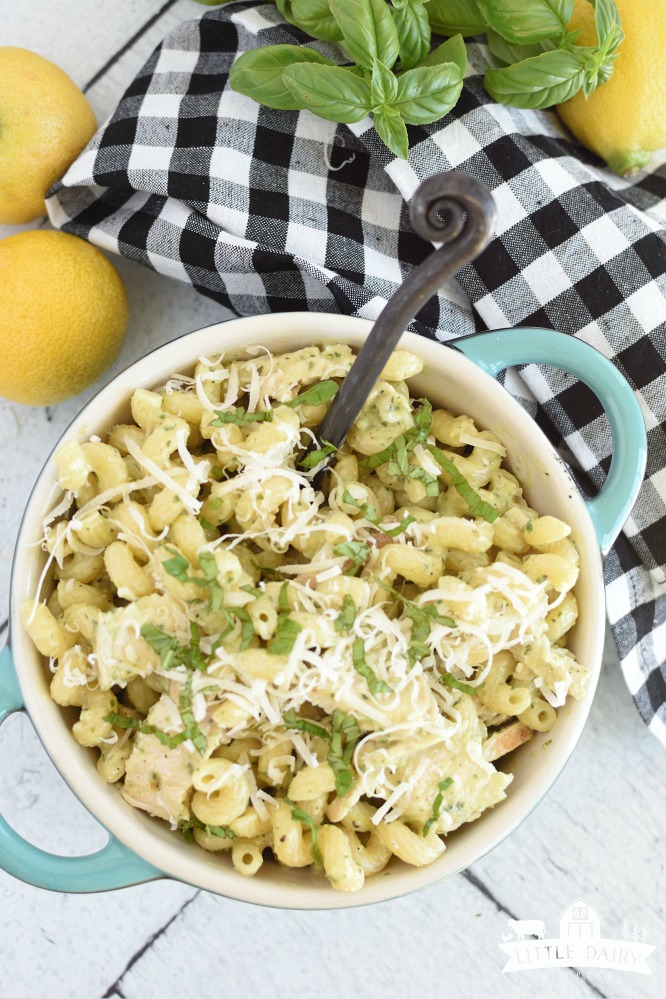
(276, 210)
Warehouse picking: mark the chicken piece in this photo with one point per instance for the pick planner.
(159, 779)
(505, 740)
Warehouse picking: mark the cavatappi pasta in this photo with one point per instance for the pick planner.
(328, 675)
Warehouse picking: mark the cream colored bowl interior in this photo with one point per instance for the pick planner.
(449, 379)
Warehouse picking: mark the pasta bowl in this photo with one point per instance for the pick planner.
(462, 377)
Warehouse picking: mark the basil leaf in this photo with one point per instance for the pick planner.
(287, 629)
(367, 509)
(192, 730)
(314, 458)
(345, 619)
(369, 512)
(413, 28)
(599, 66)
(315, 18)
(607, 23)
(122, 721)
(375, 685)
(357, 551)
(392, 131)
(417, 434)
(299, 815)
(368, 30)
(455, 17)
(258, 74)
(507, 53)
(208, 565)
(283, 599)
(329, 91)
(538, 82)
(167, 647)
(316, 395)
(177, 567)
(224, 832)
(477, 506)
(466, 688)
(524, 22)
(247, 628)
(453, 50)
(426, 94)
(393, 532)
(345, 733)
(292, 720)
(238, 414)
(437, 804)
(383, 85)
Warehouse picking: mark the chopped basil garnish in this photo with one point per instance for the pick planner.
(357, 551)
(239, 417)
(375, 685)
(300, 815)
(437, 804)
(398, 449)
(421, 616)
(287, 629)
(477, 506)
(292, 720)
(345, 619)
(285, 636)
(316, 395)
(247, 628)
(369, 512)
(345, 734)
(224, 832)
(178, 567)
(191, 730)
(172, 654)
(268, 572)
(466, 688)
(314, 458)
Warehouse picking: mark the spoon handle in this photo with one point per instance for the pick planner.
(449, 208)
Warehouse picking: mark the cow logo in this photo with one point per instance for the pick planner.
(580, 944)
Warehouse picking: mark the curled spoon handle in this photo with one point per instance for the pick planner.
(449, 208)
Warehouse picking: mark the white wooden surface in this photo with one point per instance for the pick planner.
(599, 833)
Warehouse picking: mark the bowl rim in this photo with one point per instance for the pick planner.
(198, 870)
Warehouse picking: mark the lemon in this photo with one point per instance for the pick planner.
(624, 120)
(63, 316)
(45, 121)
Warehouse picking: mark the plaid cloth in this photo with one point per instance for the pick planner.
(268, 210)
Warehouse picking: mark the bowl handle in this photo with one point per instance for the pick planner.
(114, 866)
(500, 349)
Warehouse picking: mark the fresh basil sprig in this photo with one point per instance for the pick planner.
(547, 69)
(541, 62)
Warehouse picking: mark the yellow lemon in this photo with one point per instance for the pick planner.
(63, 316)
(45, 121)
(624, 120)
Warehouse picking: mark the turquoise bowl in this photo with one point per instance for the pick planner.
(462, 376)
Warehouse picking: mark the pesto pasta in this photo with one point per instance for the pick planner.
(327, 675)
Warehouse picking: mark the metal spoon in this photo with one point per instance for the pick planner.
(449, 208)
